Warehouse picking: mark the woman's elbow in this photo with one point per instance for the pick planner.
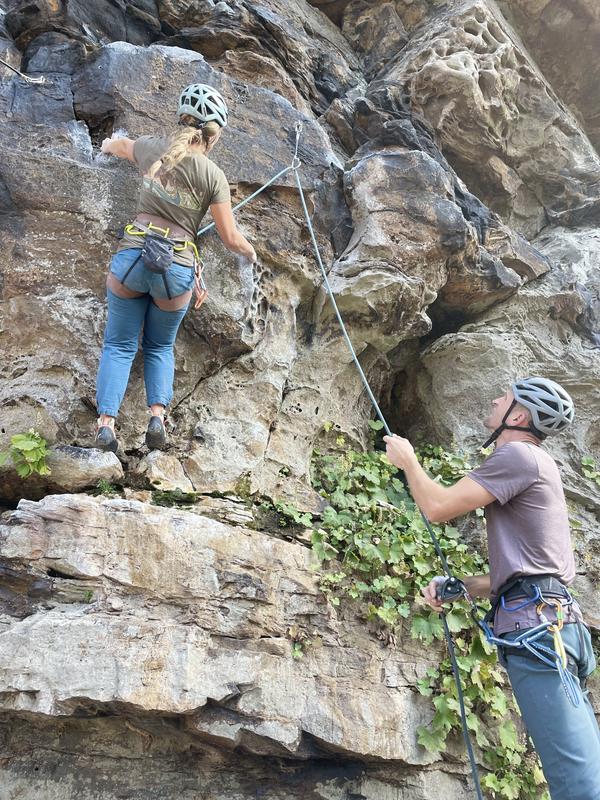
(229, 240)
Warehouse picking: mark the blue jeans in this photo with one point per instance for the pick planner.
(566, 737)
(140, 279)
(126, 318)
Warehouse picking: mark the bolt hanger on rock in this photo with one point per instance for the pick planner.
(27, 78)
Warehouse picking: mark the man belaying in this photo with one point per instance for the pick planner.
(156, 266)
(543, 642)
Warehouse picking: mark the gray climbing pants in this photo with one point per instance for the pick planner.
(565, 737)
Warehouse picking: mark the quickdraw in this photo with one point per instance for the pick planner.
(27, 78)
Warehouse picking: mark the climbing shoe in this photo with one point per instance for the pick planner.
(106, 439)
(156, 435)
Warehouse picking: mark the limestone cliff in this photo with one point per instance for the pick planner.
(450, 156)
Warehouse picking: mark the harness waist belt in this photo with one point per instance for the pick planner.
(178, 243)
(523, 586)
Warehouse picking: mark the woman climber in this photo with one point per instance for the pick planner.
(155, 268)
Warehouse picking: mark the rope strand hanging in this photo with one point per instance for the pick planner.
(295, 167)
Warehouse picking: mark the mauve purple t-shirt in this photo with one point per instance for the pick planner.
(527, 525)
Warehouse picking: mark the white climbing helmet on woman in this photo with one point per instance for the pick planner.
(204, 103)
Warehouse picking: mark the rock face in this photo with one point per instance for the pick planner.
(450, 165)
(501, 125)
(260, 329)
(562, 37)
(204, 615)
(71, 470)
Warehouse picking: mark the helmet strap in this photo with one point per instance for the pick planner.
(504, 427)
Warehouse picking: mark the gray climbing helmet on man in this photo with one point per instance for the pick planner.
(204, 103)
(551, 407)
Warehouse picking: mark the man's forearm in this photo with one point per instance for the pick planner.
(478, 585)
(428, 494)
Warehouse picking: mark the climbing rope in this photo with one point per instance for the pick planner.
(22, 75)
(452, 587)
(434, 539)
(295, 167)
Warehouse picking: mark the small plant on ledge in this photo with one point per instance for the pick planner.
(28, 453)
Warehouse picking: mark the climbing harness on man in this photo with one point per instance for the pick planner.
(544, 591)
(540, 591)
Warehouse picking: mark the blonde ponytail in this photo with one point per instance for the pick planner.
(181, 142)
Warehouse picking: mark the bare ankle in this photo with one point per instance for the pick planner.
(105, 421)
(157, 410)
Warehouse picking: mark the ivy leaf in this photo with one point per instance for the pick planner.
(451, 533)
(421, 628)
(432, 742)
(422, 566)
(424, 687)
(457, 620)
(508, 735)
(491, 781)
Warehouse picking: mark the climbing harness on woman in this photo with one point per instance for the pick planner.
(157, 267)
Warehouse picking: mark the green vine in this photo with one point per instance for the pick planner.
(28, 453)
(380, 556)
(589, 469)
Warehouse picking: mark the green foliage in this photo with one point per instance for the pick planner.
(589, 469)
(287, 515)
(380, 555)
(301, 640)
(106, 488)
(297, 650)
(28, 452)
(174, 497)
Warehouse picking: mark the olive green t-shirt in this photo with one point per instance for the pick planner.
(182, 197)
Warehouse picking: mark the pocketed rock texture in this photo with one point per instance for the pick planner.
(450, 165)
